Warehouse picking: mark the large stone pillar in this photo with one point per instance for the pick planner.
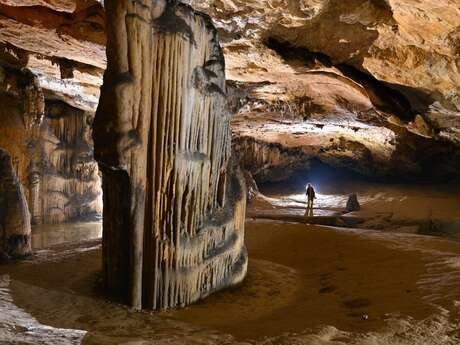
(15, 238)
(174, 204)
(34, 197)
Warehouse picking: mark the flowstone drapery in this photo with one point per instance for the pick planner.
(51, 150)
(174, 203)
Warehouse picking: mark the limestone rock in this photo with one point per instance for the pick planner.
(52, 57)
(174, 204)
(353, 203)
(52, 150)
(57, 5)
(15, 235)
(420, 127)
(413, 45)
(61, 41)
(361, 66)
(349, 70)
(251, 186)
(76, 37)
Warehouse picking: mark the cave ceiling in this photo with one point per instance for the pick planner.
(327, 77)
(61, 42)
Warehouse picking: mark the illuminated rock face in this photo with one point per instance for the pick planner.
(15, 240)
(412, 45)
(62, 42)
(174, 203)
(370, 86)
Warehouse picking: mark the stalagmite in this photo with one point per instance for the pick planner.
(353, 203)
(174, 203)
(34, 196)
(15, 240)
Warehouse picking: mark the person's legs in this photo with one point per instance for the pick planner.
(310, 207)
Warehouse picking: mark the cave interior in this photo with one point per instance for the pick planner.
(155, 155)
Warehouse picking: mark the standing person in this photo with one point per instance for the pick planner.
(310, 191)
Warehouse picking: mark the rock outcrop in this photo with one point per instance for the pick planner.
(353, 203)
(334, 80)
(174, 203)
(15, 235)
(411, 45)
(61, 42)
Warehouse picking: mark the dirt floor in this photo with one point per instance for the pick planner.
(422, 209)
(305, 285)
(302, 277)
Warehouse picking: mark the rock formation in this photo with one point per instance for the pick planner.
(251, 186)
(51, 147)
(370, 86)
(174, 203)
(353, 203)
(52, 58)
(15, 240)
(61, 42)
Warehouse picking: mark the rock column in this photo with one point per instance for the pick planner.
(174, 204)
(34, 197)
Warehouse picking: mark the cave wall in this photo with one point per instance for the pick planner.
(358, 68)
(174, 203)
(15, 232)
(368, 86)
(61, 42)
(52, 152)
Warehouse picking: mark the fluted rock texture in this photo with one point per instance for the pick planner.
(174, 203)
(15, 238)
(52, 152)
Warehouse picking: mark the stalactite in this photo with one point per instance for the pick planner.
(259, 157)
(174, 204)
(34, 101)
(34, 196)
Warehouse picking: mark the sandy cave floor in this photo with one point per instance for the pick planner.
(305, 285)
(422, 208)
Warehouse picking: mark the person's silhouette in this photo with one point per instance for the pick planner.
(311, 195)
